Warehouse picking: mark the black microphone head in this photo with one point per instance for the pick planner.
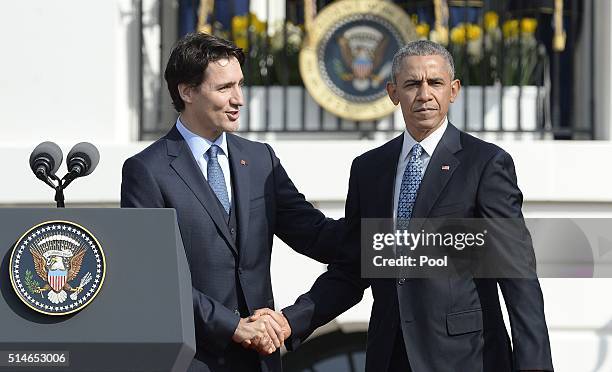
(83, 155)
(47, 155)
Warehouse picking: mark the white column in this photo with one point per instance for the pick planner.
(270, 10)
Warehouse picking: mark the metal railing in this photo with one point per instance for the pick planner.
(548, 104)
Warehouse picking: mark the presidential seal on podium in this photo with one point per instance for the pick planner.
(57, 267)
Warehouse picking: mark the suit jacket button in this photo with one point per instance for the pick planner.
(236, 312)
(232, 231)
(401, 281)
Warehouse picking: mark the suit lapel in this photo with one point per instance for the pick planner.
(436, 178)
(239, 164)
(188, 170)
(385, 177)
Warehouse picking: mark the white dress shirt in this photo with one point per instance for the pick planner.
(199, 147)
(429, 144)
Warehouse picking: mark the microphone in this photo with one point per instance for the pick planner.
(82, 159)
(45, 160)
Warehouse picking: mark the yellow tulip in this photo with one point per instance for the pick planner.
(258, 25)
(422, 29)
(473, 31)
(529, 25)
(491, 20)
(511, 28)
(458, 34)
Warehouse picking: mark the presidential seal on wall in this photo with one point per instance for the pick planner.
(57, 267)
(347, 55)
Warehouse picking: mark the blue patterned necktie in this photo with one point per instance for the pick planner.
(410, 186)
(216, 180)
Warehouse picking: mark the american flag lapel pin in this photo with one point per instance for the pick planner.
(446, 167)
(243, 162)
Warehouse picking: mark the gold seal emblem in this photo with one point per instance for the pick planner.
(346, 59)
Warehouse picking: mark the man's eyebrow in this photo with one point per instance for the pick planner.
(227, 83)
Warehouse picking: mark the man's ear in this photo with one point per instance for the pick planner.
(186, 92)
(392, 91)
(455, 88)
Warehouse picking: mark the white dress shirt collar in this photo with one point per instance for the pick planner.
(429, 144)
(199, 145)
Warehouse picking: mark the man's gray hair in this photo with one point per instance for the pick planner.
(421, 48)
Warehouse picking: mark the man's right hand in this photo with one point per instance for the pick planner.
(261, 334)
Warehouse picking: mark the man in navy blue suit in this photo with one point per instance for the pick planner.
(431, 170)
(231, 197)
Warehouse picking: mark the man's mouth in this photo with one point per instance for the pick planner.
(233, 115)
(425, 109)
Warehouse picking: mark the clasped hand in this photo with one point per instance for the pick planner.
(264, 331)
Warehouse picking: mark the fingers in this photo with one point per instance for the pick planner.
(263, 344)
(259, 312)
(261, 335)
(282, 321)
(278, 317)
(274, 331)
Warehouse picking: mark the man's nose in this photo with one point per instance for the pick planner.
(424, 93)
(237, 99)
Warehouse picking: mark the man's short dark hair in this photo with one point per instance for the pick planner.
(421, 48)
(190, 58)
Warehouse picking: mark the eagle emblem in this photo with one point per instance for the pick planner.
(57, 260)
(363, 49)
(57, 267)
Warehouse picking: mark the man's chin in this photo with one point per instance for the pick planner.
(231, 127)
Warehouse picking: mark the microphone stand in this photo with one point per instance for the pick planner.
(60, 186)
(59, 192)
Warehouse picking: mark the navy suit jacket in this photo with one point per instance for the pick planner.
(449, 324)
(227, 270)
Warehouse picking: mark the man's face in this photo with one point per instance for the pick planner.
(424, 90)
(213, 107)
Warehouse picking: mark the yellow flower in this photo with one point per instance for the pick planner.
(239, 31)
(473, 31)
(511, 28)
(491, 20)
(240, 25)
(529, 25)
(258, 26)
(422, 30)
(464, 32)
(458, 34)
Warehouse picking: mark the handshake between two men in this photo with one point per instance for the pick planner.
(264, 331)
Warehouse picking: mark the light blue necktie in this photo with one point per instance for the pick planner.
(410, 186)
(216, 180)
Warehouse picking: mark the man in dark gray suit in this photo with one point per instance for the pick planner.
(431, 170)
(231, 197)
